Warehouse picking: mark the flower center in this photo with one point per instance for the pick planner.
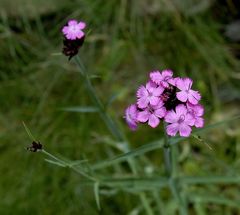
(73, 28)
(181, 119)
(151, 110)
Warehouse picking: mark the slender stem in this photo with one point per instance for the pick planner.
(112, 126)
(167, 152)
(171, 163)
(174, 180)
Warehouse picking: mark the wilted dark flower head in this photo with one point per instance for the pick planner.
(35, 146)
(170, 99)
(73, 37)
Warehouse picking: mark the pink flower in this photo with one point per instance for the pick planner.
(149, 94)
(197, 112)
(131, 116)
(161, 78)
(74, 29)
(152, 114)
(186, 93)
(180, 121)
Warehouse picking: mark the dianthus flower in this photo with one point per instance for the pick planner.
(73, 37)
(152, 114)
(170, 99)
(180, 121)
(73, 30)
(149, 94)
(131, 116)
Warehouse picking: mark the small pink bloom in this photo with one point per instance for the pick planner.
(74, 29)
(149, 94)
(197, 112)
(180, 121)
(161, 78)
(152, 114)
(131, 116)
(186, 93)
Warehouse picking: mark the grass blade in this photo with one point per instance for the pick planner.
(125, 156)
(82, 109)
(210, 179)
(55, 163)
(96, 194)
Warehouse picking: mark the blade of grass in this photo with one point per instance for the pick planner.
(82, 109)
(125, 156)
(96, 194)
(213, 199)
(210, 179)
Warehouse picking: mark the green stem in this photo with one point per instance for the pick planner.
(112, 126)
(171, 165)
(174, 181)
(167, 152)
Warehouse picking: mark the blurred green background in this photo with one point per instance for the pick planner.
(127, 39)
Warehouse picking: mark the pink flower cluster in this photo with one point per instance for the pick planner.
(169, 99)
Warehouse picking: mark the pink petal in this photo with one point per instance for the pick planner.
(182, 96)
(154, 100)
(143, 116)
(79, 35)
(158, 91)
(184, 130)
(156, 76)
(132, 125)
(159, 105)
(194, 97)
(189, 119)
(161, 112)
(72, 22)
(181, 110)
(142, 92)
(188, 83)
(70, 36)
(131, 116)
(199, 122)
(153, 121)
(65, 29)
(198, 109)
(143, 102)
(81, 25)
(151, 86)
(172, 129)
(173, 81)
(180, 84)
(171, 117)
(167, 73)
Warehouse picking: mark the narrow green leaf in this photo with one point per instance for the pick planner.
(136, 183)
(28, 132)
(96, 194)
(55, 163)
(81, 109)
(136, 152)
(210, 179)
(216, 199)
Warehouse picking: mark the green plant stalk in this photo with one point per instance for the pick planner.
(166, 152)
(112, 126)
(170, 158)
